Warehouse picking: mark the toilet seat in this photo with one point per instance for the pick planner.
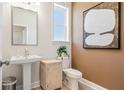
(73, 73)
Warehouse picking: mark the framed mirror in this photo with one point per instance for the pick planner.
(24, 26)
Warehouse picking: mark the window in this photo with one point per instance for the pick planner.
(61, 32)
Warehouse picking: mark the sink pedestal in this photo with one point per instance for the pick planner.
(26, 76)
(26, 65)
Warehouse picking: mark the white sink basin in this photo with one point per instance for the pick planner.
(24, 60)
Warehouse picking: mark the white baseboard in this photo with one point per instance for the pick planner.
(85, 84)
(33, 85)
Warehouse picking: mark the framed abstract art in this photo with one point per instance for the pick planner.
(101, 26)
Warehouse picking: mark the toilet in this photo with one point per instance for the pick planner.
(70, 75)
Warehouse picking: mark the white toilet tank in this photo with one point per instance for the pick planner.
(65, 63)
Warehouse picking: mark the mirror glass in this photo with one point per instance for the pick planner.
(24, 26)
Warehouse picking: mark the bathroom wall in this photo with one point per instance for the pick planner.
(101, 66)
(46, 47)
(0, 44)
(0, 30)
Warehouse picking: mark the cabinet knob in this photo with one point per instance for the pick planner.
(4, 62)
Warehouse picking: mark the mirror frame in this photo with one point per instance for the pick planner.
(12, 7)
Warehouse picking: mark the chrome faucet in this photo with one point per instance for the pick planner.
(26, 53)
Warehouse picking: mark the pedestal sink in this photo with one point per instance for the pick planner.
(26, 63)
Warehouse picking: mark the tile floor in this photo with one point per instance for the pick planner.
(63, 88)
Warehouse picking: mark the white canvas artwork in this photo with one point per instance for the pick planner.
(101, 26)
(98, 22)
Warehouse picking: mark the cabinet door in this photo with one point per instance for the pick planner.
(54, 76)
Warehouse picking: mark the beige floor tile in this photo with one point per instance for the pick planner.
(63, 88)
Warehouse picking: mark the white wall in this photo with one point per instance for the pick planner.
(46, 47)
(0, 30)
(0, 45)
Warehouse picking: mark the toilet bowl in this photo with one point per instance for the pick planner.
(70, 75)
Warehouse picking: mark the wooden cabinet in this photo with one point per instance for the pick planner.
(51, 74)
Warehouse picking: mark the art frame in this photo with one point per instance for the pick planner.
(115, 44)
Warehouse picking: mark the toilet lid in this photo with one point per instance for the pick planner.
(73, 72)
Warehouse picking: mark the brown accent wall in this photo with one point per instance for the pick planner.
(101, 66)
